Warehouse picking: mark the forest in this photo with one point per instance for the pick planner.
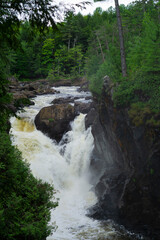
(88, 46)
(77, 47)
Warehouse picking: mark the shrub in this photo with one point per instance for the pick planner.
(25, 202)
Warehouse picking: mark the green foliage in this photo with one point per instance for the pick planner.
(39, 13)
(151, 171)
(25, 202)
(66, 63)
(51, 120)
(139, 113)
(28, 61)
(48, 53)
(124, 94)
(141, 87)
(55, 53)
(144, 52)
(89, 46)
(103, 56)
(142, 38)
(96, 79)
(53, 75)
(5, 97)
(19, 103)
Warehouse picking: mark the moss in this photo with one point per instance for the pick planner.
(69, 107)
(22, 102)
(51, 120)
(153, 122)
(141, 114)
(151, 171)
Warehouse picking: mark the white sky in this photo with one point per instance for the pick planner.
(90, 8)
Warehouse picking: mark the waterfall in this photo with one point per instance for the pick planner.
(66, 166)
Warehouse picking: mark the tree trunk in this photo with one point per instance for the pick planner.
(75, 40)
(122, 48)
(107, 45)
(100, 47)
(58, 67)
(144, 6)
(159, 13)
(69, 42)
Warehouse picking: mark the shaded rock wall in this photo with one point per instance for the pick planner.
(125, 168)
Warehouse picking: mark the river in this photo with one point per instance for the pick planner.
(66, 166)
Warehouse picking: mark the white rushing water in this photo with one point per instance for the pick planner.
(64, 165)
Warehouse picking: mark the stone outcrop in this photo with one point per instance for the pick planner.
(30, 89)
(84, 87)
(83, 107)
(79, 107)
(23, 91)
(64, 100)
(55, 120)
(126, 161)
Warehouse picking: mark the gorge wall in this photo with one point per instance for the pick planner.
(126, 168)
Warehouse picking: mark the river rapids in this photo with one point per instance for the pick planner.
(66, 166)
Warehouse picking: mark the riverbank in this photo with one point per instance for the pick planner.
(126, 160)
(23, 91)
(66, 165)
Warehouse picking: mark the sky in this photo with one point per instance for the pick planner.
(90, 8)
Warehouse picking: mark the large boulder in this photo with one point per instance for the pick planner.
(55, 120)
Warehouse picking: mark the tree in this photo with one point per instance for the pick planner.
(48, 52)
(121, 39)
(25, 202)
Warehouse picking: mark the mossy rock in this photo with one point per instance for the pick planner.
(22, 102)
(141, 114)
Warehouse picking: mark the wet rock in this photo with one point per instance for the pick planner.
(84, 87)
(64, 100)
(88, 98)
(18, 95)
(126, 164)
(55, 120)
(31, 89)
(63, 83)
(91, 117)
(23, 91)
(12, 108)
(43, 91)
(13, 80)
(82, 107)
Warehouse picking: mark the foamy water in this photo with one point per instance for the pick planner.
(66, 165)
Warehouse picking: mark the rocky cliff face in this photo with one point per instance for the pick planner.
(126, 163)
